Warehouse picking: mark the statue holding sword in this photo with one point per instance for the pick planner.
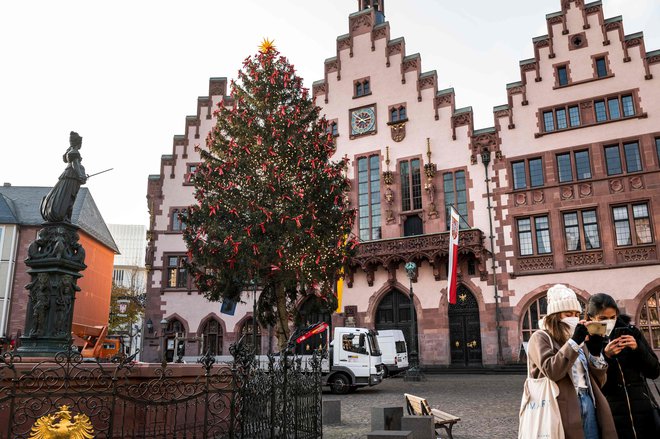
(57, 205)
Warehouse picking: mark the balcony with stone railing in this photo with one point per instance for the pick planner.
(433, 248)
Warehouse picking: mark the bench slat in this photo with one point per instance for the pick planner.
(420, 406)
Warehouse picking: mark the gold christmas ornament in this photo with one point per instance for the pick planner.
(266, 45)
(59, 426)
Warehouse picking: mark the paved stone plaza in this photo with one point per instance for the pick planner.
(487, 404)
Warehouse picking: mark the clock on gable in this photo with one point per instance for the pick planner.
(363, 120)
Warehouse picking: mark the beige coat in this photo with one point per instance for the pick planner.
(556, 362)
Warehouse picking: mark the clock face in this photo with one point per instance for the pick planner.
(363, 120)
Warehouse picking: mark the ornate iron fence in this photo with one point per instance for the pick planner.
(128, 400)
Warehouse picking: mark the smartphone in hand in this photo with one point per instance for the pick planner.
(618, 332)
(596, 328)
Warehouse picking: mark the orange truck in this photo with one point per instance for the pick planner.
(93, 341)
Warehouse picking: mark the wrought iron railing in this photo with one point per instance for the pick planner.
(128, 400)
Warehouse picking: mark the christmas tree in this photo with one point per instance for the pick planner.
(271, 204)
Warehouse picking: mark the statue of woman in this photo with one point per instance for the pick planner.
(57, 206)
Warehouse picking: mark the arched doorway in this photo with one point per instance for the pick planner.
(465, 329)
(393, 312)
(313, 311)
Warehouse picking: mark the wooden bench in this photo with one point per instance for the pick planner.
(420, 407)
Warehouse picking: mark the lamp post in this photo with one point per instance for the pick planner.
(163, 328)
(413, 373)
(485, 159)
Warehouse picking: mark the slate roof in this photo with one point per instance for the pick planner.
(7, 215)
(24, 202)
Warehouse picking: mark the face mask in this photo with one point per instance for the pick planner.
(572, 322)
(610, 326)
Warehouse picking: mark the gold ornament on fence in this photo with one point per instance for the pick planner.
(59, 426)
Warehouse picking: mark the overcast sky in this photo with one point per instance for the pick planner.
(124, 74)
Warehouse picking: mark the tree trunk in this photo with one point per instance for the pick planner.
(283, 330)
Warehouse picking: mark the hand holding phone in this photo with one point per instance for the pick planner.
(618, 332)
(596, 328)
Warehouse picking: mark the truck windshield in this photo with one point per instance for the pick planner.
(374, 348)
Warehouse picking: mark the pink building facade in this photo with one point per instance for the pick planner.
(565, 182)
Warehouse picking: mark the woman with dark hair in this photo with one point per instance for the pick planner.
(631, 360)
(564, 352)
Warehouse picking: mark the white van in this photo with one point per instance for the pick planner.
(394, 351)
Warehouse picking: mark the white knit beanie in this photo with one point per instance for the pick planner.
(561, 298)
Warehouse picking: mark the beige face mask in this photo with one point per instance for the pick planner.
(610, 326)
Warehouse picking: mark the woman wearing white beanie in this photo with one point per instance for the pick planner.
(562, 352)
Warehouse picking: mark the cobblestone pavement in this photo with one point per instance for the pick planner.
(487, 404)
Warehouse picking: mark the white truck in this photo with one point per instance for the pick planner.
(353, 357)
(394, 351)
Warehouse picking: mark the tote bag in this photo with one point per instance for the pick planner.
(539, 411)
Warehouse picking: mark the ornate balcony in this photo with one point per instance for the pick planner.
(434, 248)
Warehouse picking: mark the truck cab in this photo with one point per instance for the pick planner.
(354, 360)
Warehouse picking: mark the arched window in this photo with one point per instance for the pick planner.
(535, 312)
(246, 334)
(211, 341)
(648, 320)
(175, 344)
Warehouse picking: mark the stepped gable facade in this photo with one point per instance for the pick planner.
(571, 165)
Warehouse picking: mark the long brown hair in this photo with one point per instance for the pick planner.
(557, 329)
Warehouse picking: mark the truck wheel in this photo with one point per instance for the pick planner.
(386, 372)
(340, 384)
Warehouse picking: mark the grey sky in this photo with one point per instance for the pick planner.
(124, 74)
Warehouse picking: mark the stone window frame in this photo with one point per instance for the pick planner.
(631, 223)
(333, 127)
(246, 330)
(464, 216)
(567, 117)
(534, 234)
(608, 70)
(622, 116)
(623, 159)
(528, 176)
(588, 112)
(170, 219)
(411, 191)
(583, 42)
(367, 156)
(574, 170)
(581, 229)
(398, 108)
(359, 86)
(188, 175)
(556, 67)
(165, 283)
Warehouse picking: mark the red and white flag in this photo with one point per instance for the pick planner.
(453, 255)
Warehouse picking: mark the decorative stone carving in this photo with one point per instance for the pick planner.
(556, 20)
(538, 197)
(319, 89)
(344, 43)
(395, 49)
(584, 258)
(516, 90)
(528, 67)
(443, 101)
(462, 119)
(637, 254)
(585, 190)
(502, 113)
(398, 131)
(432, 248)
(427, 82)
(520, 199)
(388, 177)
(332, 66)
(379, 33)
(633, 42)
(536, 263)
(612, 26)
(410, 65)
(585, 105)
(566, 192)
(360, 22)
(636, 182)
(616, 185)
(57, 243)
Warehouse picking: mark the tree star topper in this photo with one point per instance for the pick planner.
(267, 45)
